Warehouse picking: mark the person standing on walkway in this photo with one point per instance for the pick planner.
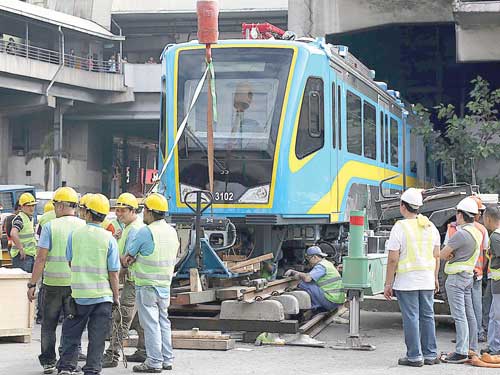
(126, 212)
(412, 276)
(461, 254)
(51, 261)
(492, 223)
(94, 261)
(477, 286)
(23, 248)
(154, 250)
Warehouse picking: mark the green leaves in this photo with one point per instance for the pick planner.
(471, 138)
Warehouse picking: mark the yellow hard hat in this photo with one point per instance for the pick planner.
(127, 200)
(49, 206)
(66, 194)
(84, 199)
(27, 199)
(156, 202)
(98, 203)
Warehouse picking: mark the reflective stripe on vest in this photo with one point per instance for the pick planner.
(419, 248)
(57, 271)
(469, 264)
(26, 236)
(136, 224)
(157, 268)
(89, 276)
(331, 283)
(495, 272)
(478, 269)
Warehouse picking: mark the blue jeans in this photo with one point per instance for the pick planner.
(97, 318)
(459, 292)
(486, 305)
(153, 316)
(494, 325)
(417, 310)
(318, 299)
(26, 264)
(477, 303)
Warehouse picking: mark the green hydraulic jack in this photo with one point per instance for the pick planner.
(363, 274)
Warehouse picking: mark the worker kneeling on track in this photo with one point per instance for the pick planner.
(126, 211)
(412, 273)
(154, 250)
(93, 255)
(51, 261)
(323, 283)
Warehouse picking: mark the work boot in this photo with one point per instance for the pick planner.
(167, 366)
(430, 362)
(482, 338)
(406, 362)
(109, 360)
(144, 368)
(138, 356)
(81, 356)
(49, 368)
(456, 358)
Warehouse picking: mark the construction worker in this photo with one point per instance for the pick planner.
(48, 215)
(82, 208)
(492, 223)
(412, 276)
(126, 212)
(51, 261)
(23, 248)
(154, 251)
(461, 254)
(94, 261)
(477, 286)
(323, 283)
(7, 225)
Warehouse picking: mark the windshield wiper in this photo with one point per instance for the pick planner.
(203, 148)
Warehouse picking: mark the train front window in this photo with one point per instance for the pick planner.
(250, 88)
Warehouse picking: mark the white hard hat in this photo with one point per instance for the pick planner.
(413, 197)
(468, 205)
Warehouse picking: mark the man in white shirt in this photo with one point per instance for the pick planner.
(412, 275)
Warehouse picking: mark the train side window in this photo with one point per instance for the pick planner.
(382, 136)
(353, 123)
(339, 115)
(413, 151)
(386, 139)
(163, 118)
(334, 117)
(311, 134)
(394, 143)
(369, 130)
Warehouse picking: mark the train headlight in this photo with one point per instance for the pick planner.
(192, 198)
(259, 194)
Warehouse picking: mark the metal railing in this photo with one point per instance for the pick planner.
(89, 63)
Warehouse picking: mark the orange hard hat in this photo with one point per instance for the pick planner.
(479, 202)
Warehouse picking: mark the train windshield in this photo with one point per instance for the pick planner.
(250, 88)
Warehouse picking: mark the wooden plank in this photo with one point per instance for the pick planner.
(233, 292)
(200, 308)
(202, 344)
(233, 258)
(194, 280)
(249, 262)
(197, 334)
(215, 324)
(193, 298)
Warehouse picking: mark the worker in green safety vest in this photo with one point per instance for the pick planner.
(461, 253)
(23, 248)
(51, 261)
(126, 211)
(154, 250)
(92, 253)
(323, 282)
(492, 223)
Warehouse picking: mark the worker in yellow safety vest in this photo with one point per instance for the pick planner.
(323, 282)
(154, 250)
(51, 261)
(92, 253)
(126, 211)
(412, 276)
(461, 254)
(23, 248)
(492, 223)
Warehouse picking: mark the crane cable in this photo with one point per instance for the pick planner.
(182, 127)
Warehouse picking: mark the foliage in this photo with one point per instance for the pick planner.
(471, 138)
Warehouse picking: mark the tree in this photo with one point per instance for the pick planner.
(472, 138)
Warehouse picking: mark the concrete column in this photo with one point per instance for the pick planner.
(57, 129)
(4, 150)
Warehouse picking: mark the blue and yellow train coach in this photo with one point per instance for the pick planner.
(303, 135)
